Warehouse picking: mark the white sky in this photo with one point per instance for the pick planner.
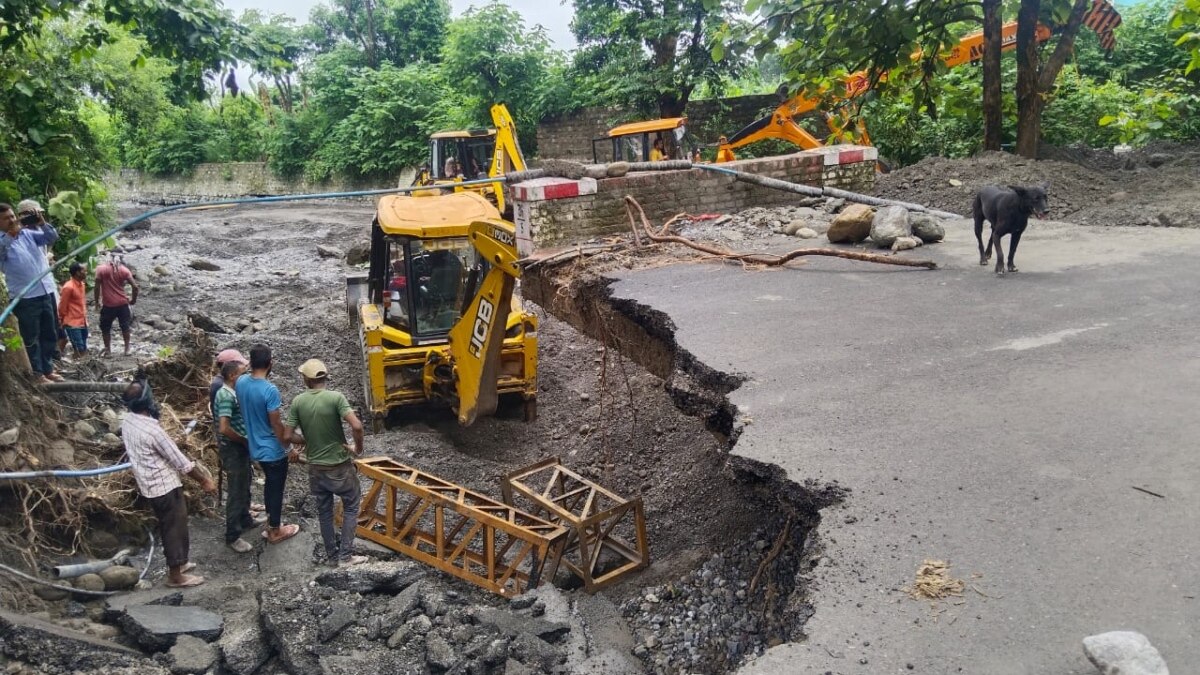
(552, 14)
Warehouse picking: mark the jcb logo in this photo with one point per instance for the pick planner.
(503, 236)
(483, 323)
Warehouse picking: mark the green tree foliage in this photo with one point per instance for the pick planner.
(491, 57)
(399, 32)
(651, 55)
(1186, 20)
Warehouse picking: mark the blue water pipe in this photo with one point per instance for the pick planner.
(64, 473)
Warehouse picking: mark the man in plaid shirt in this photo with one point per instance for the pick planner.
(157, 463)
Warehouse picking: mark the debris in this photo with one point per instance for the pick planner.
(155, 627)
(438, 652)
(243, 645)
(905, 244)
(934, 582)
(84, 430)
(191, 655)
(889, 224)
(927, 228)
(204, 265)
(508, 623)
(954, 182)
(119, 577)
(618, 169)
(1152, 494)
(89, 582)
(10, 436)
(1124, 653)
(767, 259)
(329, 251)
(203, 322)
(340, 616)
(375, 577)
(359, 253)
(852, 225)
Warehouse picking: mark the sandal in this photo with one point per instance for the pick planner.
(284, 532)
(187, 567)
(257, 508)
(188, 582)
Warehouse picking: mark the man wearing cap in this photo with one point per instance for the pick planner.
(318, 413)
(260, 404)
(22, 261)
(235, 454)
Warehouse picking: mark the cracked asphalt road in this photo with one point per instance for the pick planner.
(997, 423)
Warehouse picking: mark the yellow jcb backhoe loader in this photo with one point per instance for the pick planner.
(436, 313)
(471, 154)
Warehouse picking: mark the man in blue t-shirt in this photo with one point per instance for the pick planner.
(260, 403)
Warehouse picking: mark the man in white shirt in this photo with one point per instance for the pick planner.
(157, 463)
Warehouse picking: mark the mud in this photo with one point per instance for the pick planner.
(1155, 186)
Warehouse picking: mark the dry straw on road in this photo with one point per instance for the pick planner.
(934, 582)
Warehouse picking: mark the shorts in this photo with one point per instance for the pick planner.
(78, 337)
(121, 314)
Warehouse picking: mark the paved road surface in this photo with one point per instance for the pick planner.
(999, 424)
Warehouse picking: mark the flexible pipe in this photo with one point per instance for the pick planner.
(80, 569)
(109, 387)
(64, 473)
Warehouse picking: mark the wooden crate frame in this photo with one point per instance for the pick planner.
(589, 512)
(457, 531)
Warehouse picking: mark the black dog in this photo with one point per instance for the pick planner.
(1008, 210)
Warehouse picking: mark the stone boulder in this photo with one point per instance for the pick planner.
(905, 243)
(927, 228)
(329, 251)
(204, 265)
(852, 225)
(806, 233)
(358, 253)
(203, 322)
(890, 223)
(1124, 653)
(119, 577)
(191, 655)
(618, 169)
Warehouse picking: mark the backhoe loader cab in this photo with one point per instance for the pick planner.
(473, 154)
(634, 142)
(436, 312)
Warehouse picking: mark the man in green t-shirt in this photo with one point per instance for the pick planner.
(318, 413)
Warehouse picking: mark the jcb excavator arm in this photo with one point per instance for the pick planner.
(781, 124)
(508, 156)
(476, 339)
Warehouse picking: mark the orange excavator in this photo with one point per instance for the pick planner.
(782, 123)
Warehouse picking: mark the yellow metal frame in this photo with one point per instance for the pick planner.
(647, 126)
(592, 516)
(457, 531)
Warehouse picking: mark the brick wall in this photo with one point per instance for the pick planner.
(570, 137)
(226, 181)
(556, 212)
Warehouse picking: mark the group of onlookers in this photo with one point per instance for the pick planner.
(252, 428)
(48, 318)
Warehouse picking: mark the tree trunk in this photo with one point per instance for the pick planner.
(993, 117)
(1029, 103)
(372, 54)
(1034, 81)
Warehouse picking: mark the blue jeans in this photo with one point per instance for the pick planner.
(78, 337)
(36, 319)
